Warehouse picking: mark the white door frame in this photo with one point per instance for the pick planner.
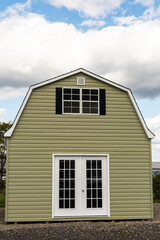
(53, 181)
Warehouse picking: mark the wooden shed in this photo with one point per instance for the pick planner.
(79, 148)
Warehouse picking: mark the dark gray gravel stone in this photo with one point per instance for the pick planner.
(100, 230)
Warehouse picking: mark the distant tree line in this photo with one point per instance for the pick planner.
(156, 186)
(3, 145)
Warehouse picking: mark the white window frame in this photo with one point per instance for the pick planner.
(80, 101)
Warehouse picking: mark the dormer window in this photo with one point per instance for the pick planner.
(86, 101)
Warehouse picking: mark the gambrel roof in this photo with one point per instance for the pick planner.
(80, 70)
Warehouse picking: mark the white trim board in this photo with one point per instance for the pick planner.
(80, 70)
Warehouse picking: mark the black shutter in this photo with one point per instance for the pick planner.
(58, 100)
(102, 102)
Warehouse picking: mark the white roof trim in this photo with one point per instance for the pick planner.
(80, 70)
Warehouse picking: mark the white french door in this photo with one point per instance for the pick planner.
(80, 185)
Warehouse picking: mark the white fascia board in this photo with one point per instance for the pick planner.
(147, 131)
(80, 70)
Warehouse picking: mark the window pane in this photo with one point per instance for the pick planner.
(86, 110)
(99, 183)
(93, 173)
(88, 183)
(94, 183)
(66, 203)
(72, 184)
(75, 104)
(75, 97)
(86, 104)
(99, 164)
(88, 203)
(99, 193)
(61, 184)
(67, 110)
(67, 97)
(75, 91)
(72, 164)
(88, 164)
(94, 110)
(61, 194)
(75, 110)
(66, 193)
(72, 173)
(67, 164)
(72, 193)
(94, 193)
(67, 104)
(61, 164)
(94, 91)
(94, 98)
(99, 173)
(66, 183)
(61, 174)
(94, 104)
(93, 163)
(99, 203)
(61, 204)
(94, 203)
(66, 173)
(88, 173)
(85, 97)
(88, 193)
(67, 90)
(85, 91)
(72, 203)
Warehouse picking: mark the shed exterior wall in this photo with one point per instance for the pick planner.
(40, 133)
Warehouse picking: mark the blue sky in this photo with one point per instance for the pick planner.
(118, 39)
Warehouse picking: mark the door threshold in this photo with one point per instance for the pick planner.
(82, 216)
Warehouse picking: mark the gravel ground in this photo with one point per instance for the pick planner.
(118, 230)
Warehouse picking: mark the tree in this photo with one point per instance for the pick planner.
(3, 128)
(156, 186)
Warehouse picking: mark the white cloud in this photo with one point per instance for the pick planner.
(125, 20)
(9, 92)
(151, 13)
(93, 23)
(89, 8)
(154, 125)
(16, 8)
(33, 49)
(2, 113)
(146, 2)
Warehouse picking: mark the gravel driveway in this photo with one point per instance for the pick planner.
(100, 230)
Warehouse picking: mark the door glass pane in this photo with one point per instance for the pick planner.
(66, 183)
(94, 183)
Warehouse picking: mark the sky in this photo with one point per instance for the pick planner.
(119, 40)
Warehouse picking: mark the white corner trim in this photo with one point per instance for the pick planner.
(80, 70)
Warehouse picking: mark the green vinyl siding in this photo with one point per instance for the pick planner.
(40, 133)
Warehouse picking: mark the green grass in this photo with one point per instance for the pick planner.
(2, 199)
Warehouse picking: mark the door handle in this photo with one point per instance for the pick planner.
(82, 190)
